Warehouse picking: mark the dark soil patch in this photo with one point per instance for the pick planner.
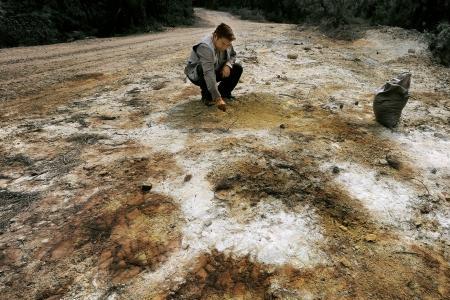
(12, 203)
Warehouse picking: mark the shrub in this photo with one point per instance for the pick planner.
(440, 44)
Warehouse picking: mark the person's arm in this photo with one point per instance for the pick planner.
(207, 61)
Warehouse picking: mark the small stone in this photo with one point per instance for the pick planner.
(433, 171)
(345, 262)
(267, 83)
(341, 106)
(187, 178)
(356, 103)
(292, 56)
(393, 162)
(410, 50)
(202, 274)
(426, 209)
(146, 187)
(283, 126)
(383, 161)
(336, 170)
(134, 91)
(208, 223)
(343, 228)
(370, 238)
(307, 48)
(418, 223)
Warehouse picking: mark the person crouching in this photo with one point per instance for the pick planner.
(213, 61)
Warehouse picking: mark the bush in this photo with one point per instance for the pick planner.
(440, 44)
(30, 22)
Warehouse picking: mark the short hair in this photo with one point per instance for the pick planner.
(224, 31)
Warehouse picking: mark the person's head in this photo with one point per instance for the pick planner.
(223, 36)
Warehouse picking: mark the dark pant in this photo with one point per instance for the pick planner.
(226, 85)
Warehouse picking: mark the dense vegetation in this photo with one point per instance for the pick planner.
(30, 22)
(423, 15)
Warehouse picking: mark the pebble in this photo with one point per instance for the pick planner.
(370, 238)
(146, 187)
(187, 178)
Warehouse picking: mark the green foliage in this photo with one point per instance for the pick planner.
(336, 17)
(440, 44)
(30, 22)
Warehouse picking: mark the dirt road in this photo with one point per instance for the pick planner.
(117, 183)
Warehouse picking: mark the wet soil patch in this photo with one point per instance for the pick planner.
(116, 232)
(289, 176)
(252, 111)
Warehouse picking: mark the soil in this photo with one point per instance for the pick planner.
(116, 182)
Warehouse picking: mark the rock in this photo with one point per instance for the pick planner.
(202, 274)
(146, 187)
(134, 91)
(208, 223)
(336, 170)
(223, 184)
(292, 56)
(107, 118)
(383, 161)
(341, 106)
(410, 50)
(418, 223)
(307, 48)
(187, 178)
(433, 171)
(343, 228)
(372, 238)
(440, 135)
(393, 162)
(283, 126)
(426, 209)
(345, 262)
(356, 103)
(267, 83)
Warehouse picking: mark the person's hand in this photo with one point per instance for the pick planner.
(226, 71)
(221, 104)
